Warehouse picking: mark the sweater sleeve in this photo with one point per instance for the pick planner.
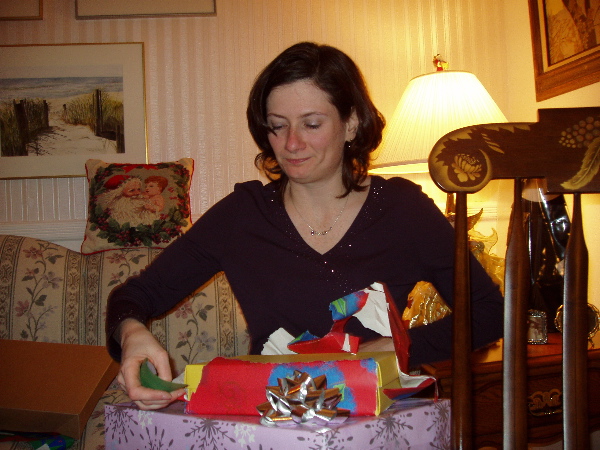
(432, 342)
(434, 251)
(179, 270)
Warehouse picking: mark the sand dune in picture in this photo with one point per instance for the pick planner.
(66, 139)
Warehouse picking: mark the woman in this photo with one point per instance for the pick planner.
(321, 229)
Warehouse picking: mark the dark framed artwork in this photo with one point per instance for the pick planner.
(107, 9)
(61, 105)
(566, 45)
(20, 9)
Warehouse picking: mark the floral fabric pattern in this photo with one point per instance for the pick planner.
(38, 279)
(51, 294)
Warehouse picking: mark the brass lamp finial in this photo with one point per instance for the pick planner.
(439, 63)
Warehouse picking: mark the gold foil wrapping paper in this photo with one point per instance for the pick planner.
(493, 265)
(425, 305)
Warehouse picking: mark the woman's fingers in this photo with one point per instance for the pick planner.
(151, 404)
(137, 345)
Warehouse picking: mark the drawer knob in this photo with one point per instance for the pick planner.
(545, 403)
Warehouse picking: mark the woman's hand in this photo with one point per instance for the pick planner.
(137, 344)
(382, 344)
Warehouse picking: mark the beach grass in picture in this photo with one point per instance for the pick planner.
(61, 105)
(62, 116)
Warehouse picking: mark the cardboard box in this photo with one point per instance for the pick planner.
(410, 423)
(51, 387)
(238, 385)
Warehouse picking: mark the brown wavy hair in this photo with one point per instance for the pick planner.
(334, 72)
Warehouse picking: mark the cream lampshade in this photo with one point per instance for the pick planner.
(432, 105)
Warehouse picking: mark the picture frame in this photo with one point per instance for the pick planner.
(107, 9)
(21, 10)
(562, 60)
(62, 81)
(537, 327)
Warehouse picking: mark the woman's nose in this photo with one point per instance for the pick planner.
(294, 141)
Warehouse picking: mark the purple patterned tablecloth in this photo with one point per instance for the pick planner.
(410, 423)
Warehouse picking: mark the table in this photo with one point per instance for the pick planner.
(544, 390)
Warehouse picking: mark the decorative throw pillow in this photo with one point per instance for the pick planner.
(137, 205)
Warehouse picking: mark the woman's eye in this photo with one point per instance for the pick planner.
(313, 126)
(276, 127)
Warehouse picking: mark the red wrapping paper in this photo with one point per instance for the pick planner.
(230, 386)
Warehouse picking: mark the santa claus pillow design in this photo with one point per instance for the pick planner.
(137, 205)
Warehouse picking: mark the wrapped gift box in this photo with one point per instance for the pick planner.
(410, 423)
(237, 385)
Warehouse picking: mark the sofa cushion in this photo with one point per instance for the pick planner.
(137, 205)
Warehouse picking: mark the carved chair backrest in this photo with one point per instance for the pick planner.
(563, 148)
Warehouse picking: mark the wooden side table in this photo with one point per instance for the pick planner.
(544, 390)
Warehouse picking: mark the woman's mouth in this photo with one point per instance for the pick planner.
(297, 161)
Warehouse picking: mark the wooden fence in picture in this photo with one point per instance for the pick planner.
(31, 121)
(102, 127)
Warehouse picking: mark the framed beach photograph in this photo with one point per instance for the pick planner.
(61, 105)
(566, 45)
(20, 9)
(106, 9)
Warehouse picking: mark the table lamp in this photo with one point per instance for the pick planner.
(432, 105)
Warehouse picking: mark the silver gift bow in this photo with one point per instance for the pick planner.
(301, 399)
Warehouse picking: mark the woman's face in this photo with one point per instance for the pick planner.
(309, 135)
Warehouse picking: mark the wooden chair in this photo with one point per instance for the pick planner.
(564, 149)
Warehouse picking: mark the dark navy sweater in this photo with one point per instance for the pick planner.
(399, 238)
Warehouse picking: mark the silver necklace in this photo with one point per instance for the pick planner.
(314, 232)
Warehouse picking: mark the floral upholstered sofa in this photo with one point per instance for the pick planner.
(49, 293)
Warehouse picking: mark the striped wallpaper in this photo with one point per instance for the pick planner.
(198, 71)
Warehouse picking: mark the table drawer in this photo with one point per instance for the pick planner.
(544, 420)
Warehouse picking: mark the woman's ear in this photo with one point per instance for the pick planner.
(351, 126)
